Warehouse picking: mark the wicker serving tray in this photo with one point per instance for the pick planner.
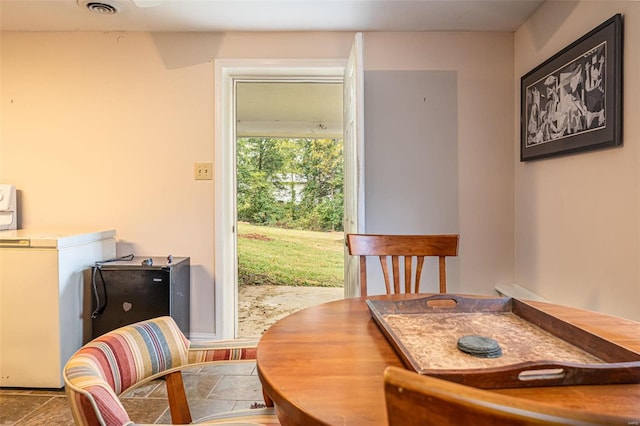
(538, 349)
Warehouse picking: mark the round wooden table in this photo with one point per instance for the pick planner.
(323, 365)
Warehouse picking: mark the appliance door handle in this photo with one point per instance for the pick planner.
(15, 243)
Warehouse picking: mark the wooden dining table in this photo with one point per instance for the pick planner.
(324, 365)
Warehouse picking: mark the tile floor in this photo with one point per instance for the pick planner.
(210, 389)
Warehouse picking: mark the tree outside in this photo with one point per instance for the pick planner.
(291, 183)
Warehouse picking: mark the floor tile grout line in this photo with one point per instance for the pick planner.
(157, 420)
(214, 387)
(35, 410)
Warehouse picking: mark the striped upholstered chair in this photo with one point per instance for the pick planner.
(109, 365)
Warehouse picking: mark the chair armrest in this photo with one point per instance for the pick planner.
(222, 350)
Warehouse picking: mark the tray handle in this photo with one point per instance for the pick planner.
(447, 302)
(437, 303)
(444, 300)
(548, 373)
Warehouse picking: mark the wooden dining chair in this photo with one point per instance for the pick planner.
(417, 400)
(394, 247)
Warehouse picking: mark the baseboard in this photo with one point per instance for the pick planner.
(202, 337)
(517, 292)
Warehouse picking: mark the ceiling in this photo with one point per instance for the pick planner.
(267, 15)
(272, 109)
(280, 109)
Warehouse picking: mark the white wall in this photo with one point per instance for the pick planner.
(483, 63)
(577, 218)
(101, 130)
(411, 162)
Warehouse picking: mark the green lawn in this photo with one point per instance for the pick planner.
(289, 257)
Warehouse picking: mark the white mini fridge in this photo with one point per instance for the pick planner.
(41, 301)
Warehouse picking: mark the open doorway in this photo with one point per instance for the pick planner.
(294, 78)
(289, 198)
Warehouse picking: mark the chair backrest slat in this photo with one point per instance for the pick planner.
(419, 273)
(408, 247)
(407, 274)
(443, 274)
(396, 274)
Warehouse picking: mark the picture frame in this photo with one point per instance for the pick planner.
(573, 101)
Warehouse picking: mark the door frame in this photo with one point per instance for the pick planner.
(227, 73)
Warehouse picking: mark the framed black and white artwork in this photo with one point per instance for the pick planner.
(573, 101)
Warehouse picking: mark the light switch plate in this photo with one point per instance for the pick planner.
(202, 171)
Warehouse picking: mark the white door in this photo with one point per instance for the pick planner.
(353, 160)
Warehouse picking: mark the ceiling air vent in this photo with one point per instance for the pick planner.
(101, 8)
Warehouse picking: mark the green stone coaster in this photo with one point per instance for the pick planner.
(479, 346)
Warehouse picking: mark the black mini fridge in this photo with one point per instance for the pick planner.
(128, 291)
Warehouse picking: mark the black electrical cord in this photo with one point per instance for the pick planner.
(98, 268)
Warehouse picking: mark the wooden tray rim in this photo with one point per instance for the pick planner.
(621, 365)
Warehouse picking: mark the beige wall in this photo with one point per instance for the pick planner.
(97, 133)
(577, 221)
(101, 130)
